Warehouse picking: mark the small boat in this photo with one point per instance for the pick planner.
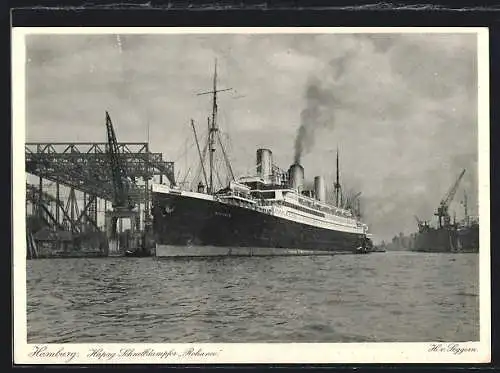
(137, 253)
(361, 250)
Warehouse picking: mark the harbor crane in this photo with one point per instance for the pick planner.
(123, 205)
(120, 181)
(442, 211)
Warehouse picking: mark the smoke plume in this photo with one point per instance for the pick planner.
(321, 102)
(318, 113)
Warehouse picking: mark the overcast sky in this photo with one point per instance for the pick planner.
(401, 108)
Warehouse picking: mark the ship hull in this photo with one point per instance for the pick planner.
(445, 240)
(468, 239)
(186, 226)
(436, 240)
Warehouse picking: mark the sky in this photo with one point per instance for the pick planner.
(401, 108)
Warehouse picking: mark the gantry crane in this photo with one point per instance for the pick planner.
(442, 211)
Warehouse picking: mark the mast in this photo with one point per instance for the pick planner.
(213, 129)
(337, 182)
(147, 129)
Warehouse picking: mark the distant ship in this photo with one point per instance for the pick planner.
(448, 236)
(455, 238)
(264, 214)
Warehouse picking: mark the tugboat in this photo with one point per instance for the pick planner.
(366, 246)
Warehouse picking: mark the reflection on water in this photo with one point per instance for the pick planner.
(388, 297)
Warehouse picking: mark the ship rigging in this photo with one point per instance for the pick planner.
(213, 137)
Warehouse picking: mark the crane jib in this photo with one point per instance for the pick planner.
(118, 172)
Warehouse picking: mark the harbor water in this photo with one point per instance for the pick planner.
(380, 297)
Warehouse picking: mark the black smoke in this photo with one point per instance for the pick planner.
(318, 113)
(322, 99)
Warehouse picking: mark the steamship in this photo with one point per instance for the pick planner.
(263, 214)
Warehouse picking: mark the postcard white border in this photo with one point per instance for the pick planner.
(480, 352)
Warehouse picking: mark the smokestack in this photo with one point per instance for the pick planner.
(265, 164)
(319, 188)
(296, 177)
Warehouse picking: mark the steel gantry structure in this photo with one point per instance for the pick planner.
(84, 167)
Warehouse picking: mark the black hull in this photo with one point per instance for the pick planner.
(186, 221)
(468, 239)
(447, 240)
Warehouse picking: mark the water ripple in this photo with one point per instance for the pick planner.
(386, 298)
